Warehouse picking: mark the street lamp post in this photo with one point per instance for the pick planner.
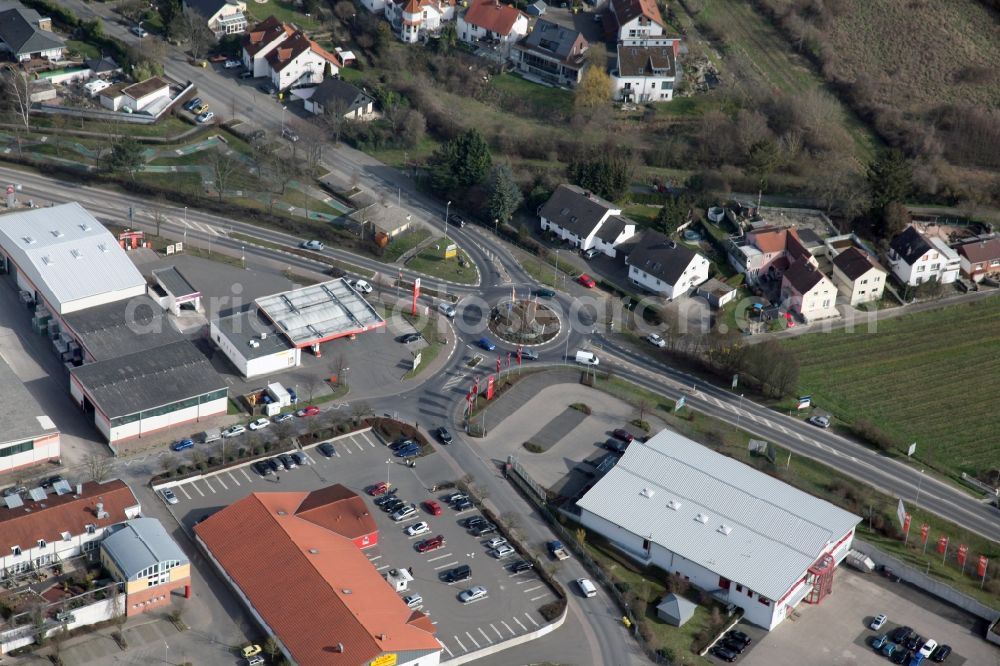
(388, 466)
(739, 412)
(555, 269)
(283, 107)
(496, 226)
(243, 256)
(919, 484)
(446, 210)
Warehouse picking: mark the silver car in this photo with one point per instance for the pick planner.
(472, 594)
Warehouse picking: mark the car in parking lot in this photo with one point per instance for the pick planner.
(386, 498)
(941, 653)
(458, 574)
(289, 134)
(522, 565)
(259, 424)
(413, 600)
(928, 648)
(251, 651)
(430, 544)
(404, 512)
(326, 448)
(487, 344)
(879, 641)
(274, 465)
(900, 634)
(622, 434)
(408, 338)
(311, 410)
(191, 104)
(432, 507)
(181, 445)
(392, 505)
(819, 421)
(400, 443)
(455, 497)
(496, 542)
(901, 656)
(232, 64)
(484, 529)
(416, 529)
(615, 445)
(50, 481)
(14, 490)
(586, 281)
(262, 468)
(287, 461)
(462, 505)
(914, 642)
(299, 459)
(723, 654)
(281, 418)
(200, 108)
(737, 635)
(169, 497)
(376, 489)
(205, 117)
(503, 551)
(889, 648)
(472, 594)
(233, 431)
(267, 88)
(408, 452)
(444, 435)
(312, 245)
(733, 645)
(877, 623)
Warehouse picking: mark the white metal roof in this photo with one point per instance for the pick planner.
(69, 255)
(320, 312)
(718, 512)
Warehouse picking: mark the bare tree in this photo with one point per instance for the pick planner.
(98, 467)
(132, 10)
(223, 166)
(17, 91)
(314, 143)
(334, 117)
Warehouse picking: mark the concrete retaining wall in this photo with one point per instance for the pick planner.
(513, 642)
(928, 584)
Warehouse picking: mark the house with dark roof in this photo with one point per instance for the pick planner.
(298, 60)
(339, 96)
(806, 291)
(585, 220)
(492, 22)
(25, 34)
(664, 266)
(260, 40)
(149, 564)
(979, 257)
(553, 53)
(915, 258)
(223, 17)
(48, 526)
(858, 276)
(332, 606)
(646, 71)
(636, 19)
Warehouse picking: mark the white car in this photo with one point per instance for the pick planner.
(169, 497)
(472, 594)
(500, 552)
(312, 245)
(877, 623)
(656, 340)
(496, 542)
(413, 600)
(362, 286)
(928, 648)
(417, 529)
(205, 117)
(138, 31)
(259, 424)
(233, 431)
(232, 64)
(281, 418)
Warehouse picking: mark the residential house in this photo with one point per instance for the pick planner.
(223, 17)
(585, 220)
(374, 6)
(491, 21)
(765, 252)
(636, 19)
(553, 53)
(25, 34)
(806, 291)
(646, 71)
(44, 527)
(980, 257)
(416, 19)
(260, 41)
(149, 564)
(103, 67)
(298, 60)
(858, 276)
(915, 258)
(340, 96)
(665, 267)
(143, 96)
(716, 292)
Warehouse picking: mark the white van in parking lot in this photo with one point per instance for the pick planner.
(587, 358)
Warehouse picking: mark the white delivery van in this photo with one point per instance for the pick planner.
(587, 358)
(211, 435)
(586, 587)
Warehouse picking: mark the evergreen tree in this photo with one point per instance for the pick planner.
(460, 163)
(890, 181)
(607, 175)
(674, 213)
(126, 157)
(505, 195)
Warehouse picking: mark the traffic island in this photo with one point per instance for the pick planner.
(524, 322)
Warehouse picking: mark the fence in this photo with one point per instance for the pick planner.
(118, 116)
(537, 494)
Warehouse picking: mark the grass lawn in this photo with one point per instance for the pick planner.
(404, 242)
(400, 157)
(645, 215)
(167, 127)
(917, 377)
(434, 346)
(83, 48)
(431, 261)
(539, 96)
(284, 11)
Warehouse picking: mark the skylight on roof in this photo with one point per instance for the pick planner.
(647, 493)
(702, 518)
(724, 529)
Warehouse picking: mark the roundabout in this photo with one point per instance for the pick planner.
(524, 322)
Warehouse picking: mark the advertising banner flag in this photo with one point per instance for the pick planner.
(942, 545)
(925, 529)
(963, 552)
(981, 568)
(489, 388)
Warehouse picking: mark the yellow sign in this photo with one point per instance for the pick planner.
(385, 660)
(451, 251)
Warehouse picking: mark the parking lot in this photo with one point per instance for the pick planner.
(510, 607)
(836, 631)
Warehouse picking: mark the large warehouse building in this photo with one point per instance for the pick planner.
(28, 436)
(733, 531)
(66, 259)
(332, 606)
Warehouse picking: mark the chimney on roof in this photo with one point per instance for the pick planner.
(339, 647)
(101, 513)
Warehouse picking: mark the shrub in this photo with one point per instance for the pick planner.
(873, 434)
(622, 586)
(533, 448)
(552, 610)
(581, 407)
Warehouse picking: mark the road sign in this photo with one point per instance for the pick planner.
(416, 361)
(913, 449)
(736, 381)
(451, 251)
(679, 405)
(901, 511)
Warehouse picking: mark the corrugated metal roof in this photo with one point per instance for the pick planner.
(68, 254)
(139, 544)
(730, 518)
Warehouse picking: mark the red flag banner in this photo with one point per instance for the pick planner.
(942, 545)
(983, 563)
(508, 359)
(925, 529)
(498, 364)
(489, 388)
(963, 551)
(520, 349)
(906, 524)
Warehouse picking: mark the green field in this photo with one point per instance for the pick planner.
(924, 378)
(431, 261)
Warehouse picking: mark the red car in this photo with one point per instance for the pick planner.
(622, 434)
(431, 544)
(586, 281)
(432, 507)
(380, 488)
(311, 410)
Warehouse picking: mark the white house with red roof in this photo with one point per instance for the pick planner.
(636, 19)
(492, 21)
(298, 60)
(413, 19)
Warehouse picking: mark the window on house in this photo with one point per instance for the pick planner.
(724, 583)
(739, 588)
(646, 544)
(652, 85)
(91, 529)
(16, 550)
(764, 601)
(934, 267)
(865, 281)
(41, 543)
(920, 269)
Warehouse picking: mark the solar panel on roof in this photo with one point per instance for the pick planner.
(13, 501)
(37, 494)
(62, 487)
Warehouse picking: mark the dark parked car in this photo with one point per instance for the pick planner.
(409, 452)
(900, 634)
(941, 653)
(410, 337)
(734, 645)
(456, 220)
(616, 445)
(521, 565)
(287, 461)
(298, 458)
(914, 642)
(457, 574)
(267, 88)
(51, 481)
(262, 468)
(622, 434)
(482, 530)
(273, 464)
(463, 505)
(739, 636)
(901, 656)
(444, 435)
(326, 449)
(401, 443)
(723, 654)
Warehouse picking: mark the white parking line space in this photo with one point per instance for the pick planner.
(520, 624)
(464, 649)
(531, 619)
(210, 488)
(446, 565)
(507, 627)
(219, 480)
(485, 637)
(499, 635)
(446, 648)
(532, 589)
(233, 478)
(197, 489)
(541, 596)
(244, 471)
(474, 641)
(440, 557)
(383, 567)
(367, 439)
(181, 488)
(361, 449)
